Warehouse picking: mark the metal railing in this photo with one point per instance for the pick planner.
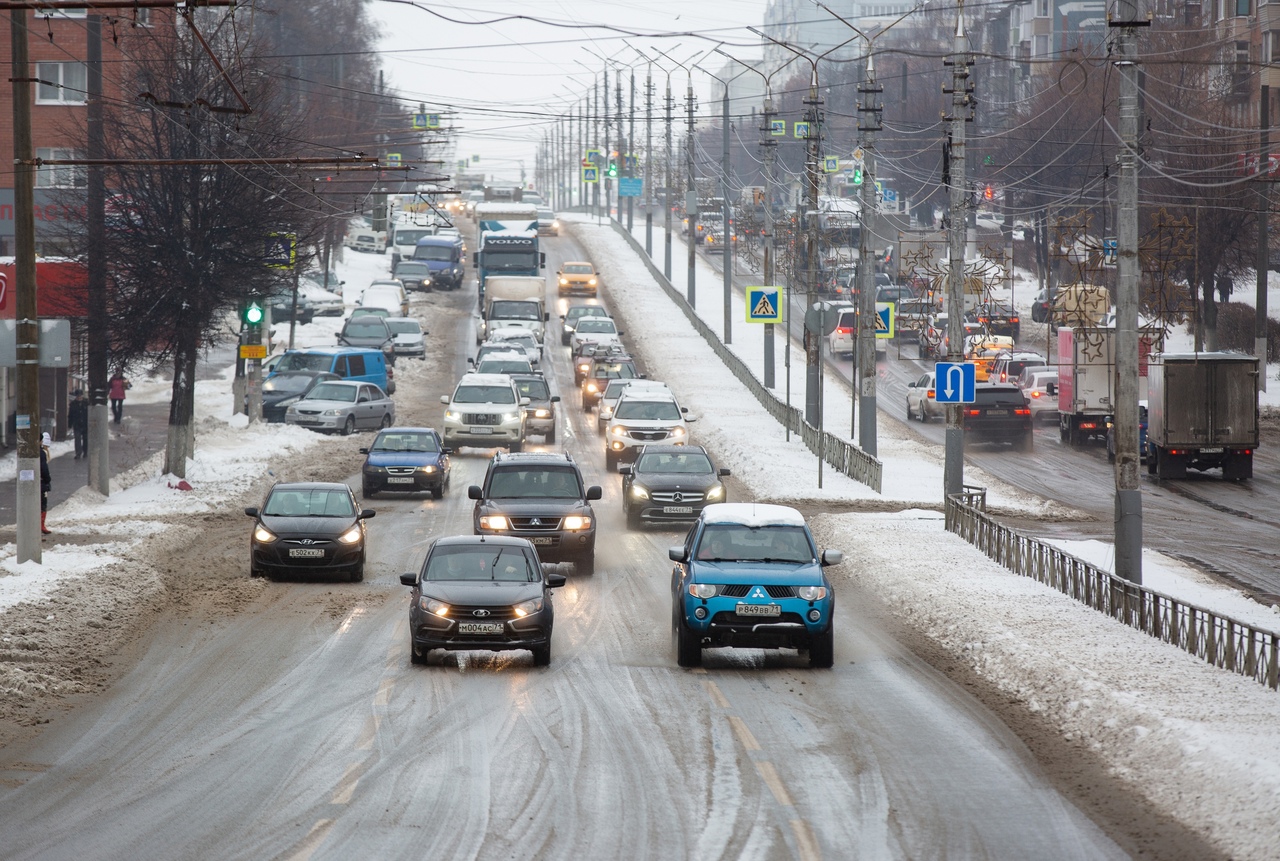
(1214, 638)
(841, 454)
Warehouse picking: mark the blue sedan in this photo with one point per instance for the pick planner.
(407, 460)
(749, 575)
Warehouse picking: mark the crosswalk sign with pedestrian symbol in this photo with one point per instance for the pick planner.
(763, 305)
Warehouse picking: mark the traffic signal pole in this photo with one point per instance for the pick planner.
(27, 419)
(953, 469)
(253, 329)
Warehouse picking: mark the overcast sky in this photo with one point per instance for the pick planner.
(500, 83)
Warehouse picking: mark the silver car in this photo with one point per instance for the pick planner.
(343, 406)
(408, 337)
(922, 401)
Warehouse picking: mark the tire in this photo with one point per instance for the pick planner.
(586, 406)
(516, 447)
(386, 421)
(357, 574)
(1151, 462)
(822, 650)
(924, 417)
(688, 646)
(367, 492)
(585, 565)
(542, 655)
(414, 657)
(551, 435)
(634, 520)
(255, 573)
(610, 461)
(350, 427)
(909, 415)
(437, 492)
(1027, 443)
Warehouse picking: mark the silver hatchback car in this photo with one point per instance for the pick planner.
(343, 406)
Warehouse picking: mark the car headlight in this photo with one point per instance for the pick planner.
(264, 535)
(288, 402)
(428, 469)
(638, 492)
(591, 387)
(511, 417)
(606, 412)
(592, 282)
(542, 414)
(332, 412)
(528, 608)
(494, 521)
(352, 535)
(702, 590)
(617, 430)
(577, 521)
(453, 415)
(678, 431)
(431, 605)
(812, 593)
(584, 367)
(564, 282)
(716, 492)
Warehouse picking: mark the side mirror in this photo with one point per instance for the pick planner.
(625, 469)
(723, 472)
(473, 492)
(911, 385)
(546, 316)
(1051, 389)
(524, 402)
(475, 258)
(555, 581)
(252, 512)
(363, 450)
(690, 418)
(444, 399)
(555, 399)
(684, 409)
(562, 317)
(446, 450)
(620, 334)
(409, 579)
(677, 554)
(595, 492)
(471, 362)
(831, 557)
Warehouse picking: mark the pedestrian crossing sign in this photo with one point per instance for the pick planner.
(777, 128)
(830, 163)
(884, 319)
(591, 174)
(763, 305)
(800, 130)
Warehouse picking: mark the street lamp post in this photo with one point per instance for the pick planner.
(691, 197)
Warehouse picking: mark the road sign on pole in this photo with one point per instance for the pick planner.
(885, 319)
(763, 305)
(278, 250)
(955, 382)
(590, 174)
(800, 130)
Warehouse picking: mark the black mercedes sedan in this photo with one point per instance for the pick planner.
(481, 592)
(287, 388)
(308, 528)
(670, 483)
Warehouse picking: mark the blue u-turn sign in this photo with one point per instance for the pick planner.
(954, 382)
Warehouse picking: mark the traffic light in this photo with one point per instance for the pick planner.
(613, 167)
(857, 175)
(988, 193)
(253, 313)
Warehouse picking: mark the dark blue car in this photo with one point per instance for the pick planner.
(749, 575)
(1142, 435)
(405, 460)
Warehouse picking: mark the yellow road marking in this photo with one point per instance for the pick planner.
(347, 786)
(368, 732)
(806, 840)
(384, 692)
(716, 695)
(744, 735)
(312, 841)
(771, 779)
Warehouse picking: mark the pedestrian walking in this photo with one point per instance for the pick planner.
(46, 482)
(78, 421)
(116, 395)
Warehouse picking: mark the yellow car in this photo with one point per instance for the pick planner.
(983, 351)
(577, 277)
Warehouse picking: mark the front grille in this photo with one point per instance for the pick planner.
(401, 470)
(683, 497)
(536, 524)
(463, 613)
(303, 412)
(481, 419)
(741, 590)
(648, 436)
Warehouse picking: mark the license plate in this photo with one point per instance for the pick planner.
(1215, 450)
(759, 610)
(997, 412)
(400, 479)
(305, 553)
(542, 540)
(479, 627)
(481, 431)
(677, 509)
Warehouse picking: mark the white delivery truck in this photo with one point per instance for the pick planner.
(514, 300)
(1202, 414)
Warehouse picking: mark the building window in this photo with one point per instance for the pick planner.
(1271, 47)
(1042, 47)
(60, 175)
(61, 84)
(1042, 8)
(1244, 8)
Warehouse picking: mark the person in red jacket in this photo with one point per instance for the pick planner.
(115, 394)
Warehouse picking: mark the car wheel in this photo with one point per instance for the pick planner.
(1027, 443)
(357, 573)
(386, 421)
(688, 646)
(516, 446)
(367, 492)
(822, 649)
(551, 435)
(924, 416)
(542, 655)
(634, 520)
(610, 461)
(910, 415)
(350, 427)
(586, 405)
(585, 565)
(414, 657)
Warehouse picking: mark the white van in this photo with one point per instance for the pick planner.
(369, 241)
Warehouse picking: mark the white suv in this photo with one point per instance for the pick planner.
(643, 417)
(484, 410)
(609, 398)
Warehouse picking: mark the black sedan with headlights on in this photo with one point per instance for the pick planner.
(407, 460)
(484, 593)
(285, 389)
(670, 484)
(308, 528)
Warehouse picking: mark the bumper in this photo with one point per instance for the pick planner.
(540, 426)
(420, 351)
(562, 546)
(417, 482)
(578, 288)
(267, 558)
(668, 512)
(533, 631)
(319, 423)
(626, 448)
(791, 629)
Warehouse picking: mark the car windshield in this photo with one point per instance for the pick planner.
(534, 390)
(288, 383)
(535, 482)
(304, 362)
(404, 327)
(405, 441)
(413, 270)
(363, 311)
(579, 311)
(734, 542)
(503, 366)
(433, 252)
(613, 371)
(690, 463)
(410, 236)
(334, 391)
(284, 502)
(365, 327)
(484, 395)
(515, 311)
(596, 324)
(615, 389)
(480, 562)
(578, 269)
(646, 410)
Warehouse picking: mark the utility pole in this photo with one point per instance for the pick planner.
(95, 258)
(812, 340)
(1264, 218)
(627, 155)
(666, 198)
(608, 149)
(726, 248)
(27, 323)
(648, 161)
(595, 137)
(770, 153)
(691, 200)
(953, 469)
(869, 115)
(1128, 502)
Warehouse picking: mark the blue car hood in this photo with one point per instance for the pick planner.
(403, 458)
(758, 573)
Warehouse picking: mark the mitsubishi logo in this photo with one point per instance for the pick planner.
(537, 521)
(480, 613)
(759, 593)
(677, 497)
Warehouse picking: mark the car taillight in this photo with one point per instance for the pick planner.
(1088, 425)
(844, 330)
(1013, 319)
(1035, 394)
(930, 393)
(973, 412)
(1022, 411)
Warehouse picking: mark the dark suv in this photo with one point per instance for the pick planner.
(999, 413)
(541, 497)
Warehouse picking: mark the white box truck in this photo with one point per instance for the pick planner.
(1202, 413)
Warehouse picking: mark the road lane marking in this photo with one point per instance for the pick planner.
(771, 779)
(744, 735)
(347, 785)
(384, 692)
(806, 840)
(716, 695)
(356, 613)
(312, 841)
(368, 732)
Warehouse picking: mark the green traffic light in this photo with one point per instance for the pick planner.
(857, 176)
(253, 314)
